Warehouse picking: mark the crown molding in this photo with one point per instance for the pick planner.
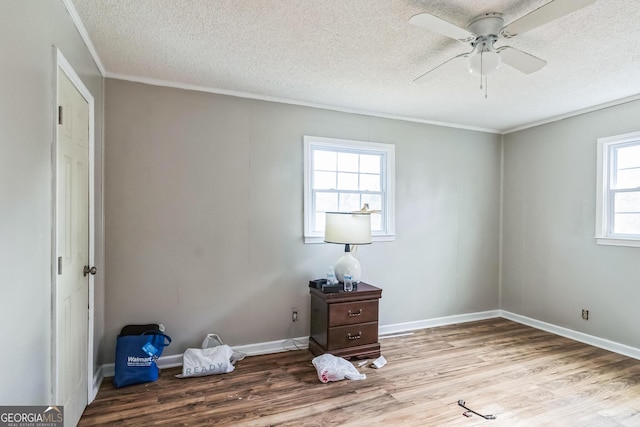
(250, 95)
(84, 35)
(574, 113)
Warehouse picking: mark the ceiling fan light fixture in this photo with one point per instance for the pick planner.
(484, 63)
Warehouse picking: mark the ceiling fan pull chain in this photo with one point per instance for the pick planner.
(482, 74)
(486, 87)
(481, 70)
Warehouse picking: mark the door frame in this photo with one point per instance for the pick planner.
(61, 65)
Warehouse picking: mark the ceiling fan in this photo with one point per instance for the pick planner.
(485, 30)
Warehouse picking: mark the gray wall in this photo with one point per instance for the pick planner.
(28, 29)
(552, 267)
(203, 197)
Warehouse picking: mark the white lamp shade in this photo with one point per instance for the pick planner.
(347, 228)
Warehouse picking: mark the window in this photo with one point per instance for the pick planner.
(618, 196)
(341, 176)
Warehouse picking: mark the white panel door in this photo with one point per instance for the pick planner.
(73, 249)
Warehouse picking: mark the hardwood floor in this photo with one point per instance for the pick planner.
(523, 376)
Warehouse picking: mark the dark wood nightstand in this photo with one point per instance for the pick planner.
(345, 324)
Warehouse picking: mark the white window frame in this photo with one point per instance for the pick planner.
(604, 202)
(363, 147)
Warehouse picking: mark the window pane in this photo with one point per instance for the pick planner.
(370, 182)
(374, 201)
(628, 178)
(324, 160)
(370, 164)
(628, 157)
(347, 181)
(627, 202)
(347, 162)
(319, 225)
(326, 202)
(626, 219)
(626, 224)
(376, 222)
(349, 202)
(324, 180)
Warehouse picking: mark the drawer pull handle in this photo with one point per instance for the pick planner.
(352, 314)
(354, 337)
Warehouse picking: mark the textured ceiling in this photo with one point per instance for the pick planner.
(363, 55)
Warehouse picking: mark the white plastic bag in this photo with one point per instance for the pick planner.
(198, 362)
(214, 340)
(332, 368)
(211, 340)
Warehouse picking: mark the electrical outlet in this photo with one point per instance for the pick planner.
(294, 315)
(585, 314)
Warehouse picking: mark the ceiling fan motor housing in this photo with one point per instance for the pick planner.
(487, 24)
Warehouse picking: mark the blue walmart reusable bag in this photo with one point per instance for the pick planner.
(137, 349)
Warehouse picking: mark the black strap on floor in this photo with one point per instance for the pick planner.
(471, 411)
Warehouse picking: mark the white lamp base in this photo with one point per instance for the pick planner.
(347, 263)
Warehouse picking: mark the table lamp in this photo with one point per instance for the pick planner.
(347, 228)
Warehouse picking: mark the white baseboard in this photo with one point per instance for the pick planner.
(107, 370)
(613, 346)
(97, 382)
(273, 346)
(438, 321)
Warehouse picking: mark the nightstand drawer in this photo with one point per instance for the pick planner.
(352, 335)
(349, 313)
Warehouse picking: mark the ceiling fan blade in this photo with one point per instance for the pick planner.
(423, 78)
(542, 15)
(520, 60)
(437, 25)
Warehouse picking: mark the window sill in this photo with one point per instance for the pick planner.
(617, 241)
(377, 238)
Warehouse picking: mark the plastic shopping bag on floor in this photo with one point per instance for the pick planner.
(332, 368)
(137, 349)
(214, 340)
(198, 362)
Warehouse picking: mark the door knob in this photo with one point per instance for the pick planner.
(88, 270)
